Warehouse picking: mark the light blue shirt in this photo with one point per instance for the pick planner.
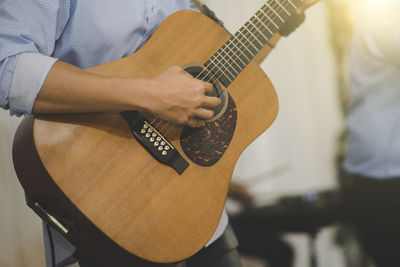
(83, 33)
(373, 145)
(36, 33)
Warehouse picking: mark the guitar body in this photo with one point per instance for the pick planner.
(124, 204)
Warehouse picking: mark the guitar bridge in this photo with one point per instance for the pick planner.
(154, 142)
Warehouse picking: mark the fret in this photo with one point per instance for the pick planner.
(237, 56)
(244, 54)
(297, 3)
(228, 62)
(255, 37)
(270, 15)
(262, 34)
(233, 64)
(246, 49)
(218, 64)
(283, 8)
(265, 14)
(276, 13)
(291, 3)
(223, 78)
(289, 7)
(211, 65)
(219, 74)
(265, 26)
(281, 11)
(225, 66)
(256, 49)
(219, 61)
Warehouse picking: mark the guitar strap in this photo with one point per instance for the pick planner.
(290, 26)
(208, 12)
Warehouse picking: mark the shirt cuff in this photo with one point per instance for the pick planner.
(30, 72)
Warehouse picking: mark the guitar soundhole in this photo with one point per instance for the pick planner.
(200, 73)
(206, 146)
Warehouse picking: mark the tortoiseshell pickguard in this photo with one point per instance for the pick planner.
(205, 146)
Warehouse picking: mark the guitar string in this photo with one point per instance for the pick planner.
(216, 66)
(275, 4)
(253, 37)
(233, 60)
(245, 35)
(233, 55)
(248, 41)
(271, 8)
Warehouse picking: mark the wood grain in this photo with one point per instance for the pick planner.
(145, 207)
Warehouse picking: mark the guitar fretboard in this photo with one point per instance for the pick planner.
(227, 63)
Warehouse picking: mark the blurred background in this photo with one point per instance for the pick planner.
(293, 166)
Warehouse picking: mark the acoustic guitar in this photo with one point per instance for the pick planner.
(125, 188)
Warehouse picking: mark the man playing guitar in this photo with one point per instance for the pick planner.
(47, 46)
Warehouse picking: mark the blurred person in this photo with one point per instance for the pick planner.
(371, 176)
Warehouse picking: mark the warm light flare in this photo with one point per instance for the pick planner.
(377, 2)
(372, 10)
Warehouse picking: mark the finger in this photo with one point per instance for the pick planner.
(195, 123)
(176, 68)
(188, 74)
(203, 113)
(207, 87)
(211, 101)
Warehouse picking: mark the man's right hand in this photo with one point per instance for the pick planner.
(176, 96)
(173, 95)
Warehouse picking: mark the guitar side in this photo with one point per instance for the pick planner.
(93, 163)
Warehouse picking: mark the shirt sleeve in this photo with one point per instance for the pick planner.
(29, 30)
(191, 5)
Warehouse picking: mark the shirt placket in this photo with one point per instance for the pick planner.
(152, 9)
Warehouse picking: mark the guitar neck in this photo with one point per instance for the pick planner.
(228, 62)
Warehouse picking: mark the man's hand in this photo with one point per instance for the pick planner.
(177, 97)
(173, 96)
